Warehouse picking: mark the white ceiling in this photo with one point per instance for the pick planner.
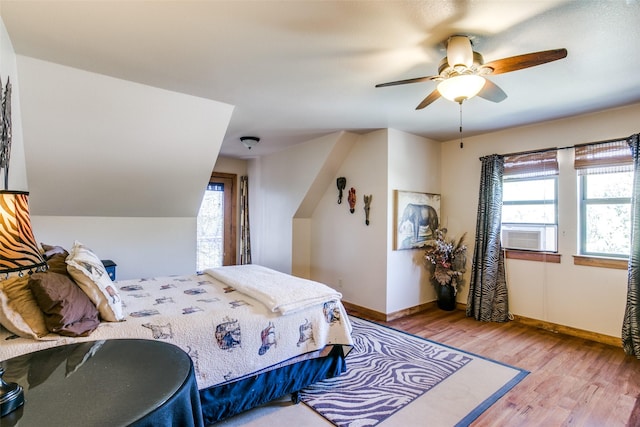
(295, 70)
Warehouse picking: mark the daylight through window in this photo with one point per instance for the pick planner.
(530, 202)
(210, 228)
(605, 180)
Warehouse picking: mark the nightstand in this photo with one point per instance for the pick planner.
(110, 266)
(121, 382)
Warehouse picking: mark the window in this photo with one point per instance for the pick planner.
(530, 202)
(210, 228)
(530, 214)
(605, 180)
(216, 223)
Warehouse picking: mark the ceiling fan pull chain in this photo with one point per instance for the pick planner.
(461, 143)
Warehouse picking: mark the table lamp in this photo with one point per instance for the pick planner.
(18, 248)
(18, 254)
(11, 396)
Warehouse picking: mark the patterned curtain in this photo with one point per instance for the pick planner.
(488, 299)
(245, 239)
(631, 321)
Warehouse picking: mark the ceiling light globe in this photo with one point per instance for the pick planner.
(460, 88)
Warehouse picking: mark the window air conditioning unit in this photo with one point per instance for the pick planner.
(523, 239)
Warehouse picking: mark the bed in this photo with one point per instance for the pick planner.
(253, 334)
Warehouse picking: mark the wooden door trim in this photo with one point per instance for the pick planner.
(229, 180)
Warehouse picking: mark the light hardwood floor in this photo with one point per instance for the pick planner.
(573, 381)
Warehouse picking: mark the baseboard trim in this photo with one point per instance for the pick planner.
(369, 313)
(382, 317)
(534, 323)
(568, 330)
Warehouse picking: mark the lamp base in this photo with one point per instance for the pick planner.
(11, 396)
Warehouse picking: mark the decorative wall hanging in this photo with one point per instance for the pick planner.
(5, 134)
(417, 217)
(367, 206)
(352, 200)
(341, 183)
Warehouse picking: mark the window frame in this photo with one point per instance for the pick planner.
(582, 210)
(553, 202)
(229, 183)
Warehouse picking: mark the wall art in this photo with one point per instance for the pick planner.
(352, 200)
(5, 132)
(341, 183)
(367, 207)
(416, 217)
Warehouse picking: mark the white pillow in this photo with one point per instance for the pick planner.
(87, 271)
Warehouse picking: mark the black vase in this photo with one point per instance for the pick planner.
(446, 295)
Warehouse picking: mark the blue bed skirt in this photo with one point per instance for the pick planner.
(230, 399)
(182, 409)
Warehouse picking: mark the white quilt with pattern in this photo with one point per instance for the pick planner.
(227, 333)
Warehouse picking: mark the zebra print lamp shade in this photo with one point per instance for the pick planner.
(18, 247)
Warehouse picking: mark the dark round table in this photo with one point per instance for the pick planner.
(105, 383)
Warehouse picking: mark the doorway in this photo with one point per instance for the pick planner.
(216, 223)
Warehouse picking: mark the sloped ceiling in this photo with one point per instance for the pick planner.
(297, 70)
(100, 146)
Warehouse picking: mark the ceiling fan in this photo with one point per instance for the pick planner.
(462, 72)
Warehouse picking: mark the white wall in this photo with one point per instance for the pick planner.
(115, 148)
(278, 186)
(141, 247)
(345, 252)
(229, 165)
(119, 166)
(302, 262)
(336, 247)
(588, 298)
(414, 165)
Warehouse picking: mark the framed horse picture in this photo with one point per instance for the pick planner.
(416, 218)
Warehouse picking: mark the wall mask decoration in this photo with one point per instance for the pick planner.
(5, 134)
(342, 184)
(352, 200)
(367, 206)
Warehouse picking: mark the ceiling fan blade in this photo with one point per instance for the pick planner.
(492, 92)
(429, 99)
(514, 63)
(403, 82)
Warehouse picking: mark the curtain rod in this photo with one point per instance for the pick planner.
(544, 150)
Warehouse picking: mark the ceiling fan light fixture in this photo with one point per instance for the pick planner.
(462, 87)
(459, 51)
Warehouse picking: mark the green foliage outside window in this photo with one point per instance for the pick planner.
(606, 214)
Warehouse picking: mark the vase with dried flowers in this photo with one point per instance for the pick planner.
(446, 260)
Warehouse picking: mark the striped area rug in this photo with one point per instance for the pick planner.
(394, 378)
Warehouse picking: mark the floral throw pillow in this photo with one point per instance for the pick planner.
(87, 271)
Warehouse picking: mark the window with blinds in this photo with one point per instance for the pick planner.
(530, 201)
(605, 180)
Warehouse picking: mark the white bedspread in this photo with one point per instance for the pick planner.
(228, 334)
(277, 291)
